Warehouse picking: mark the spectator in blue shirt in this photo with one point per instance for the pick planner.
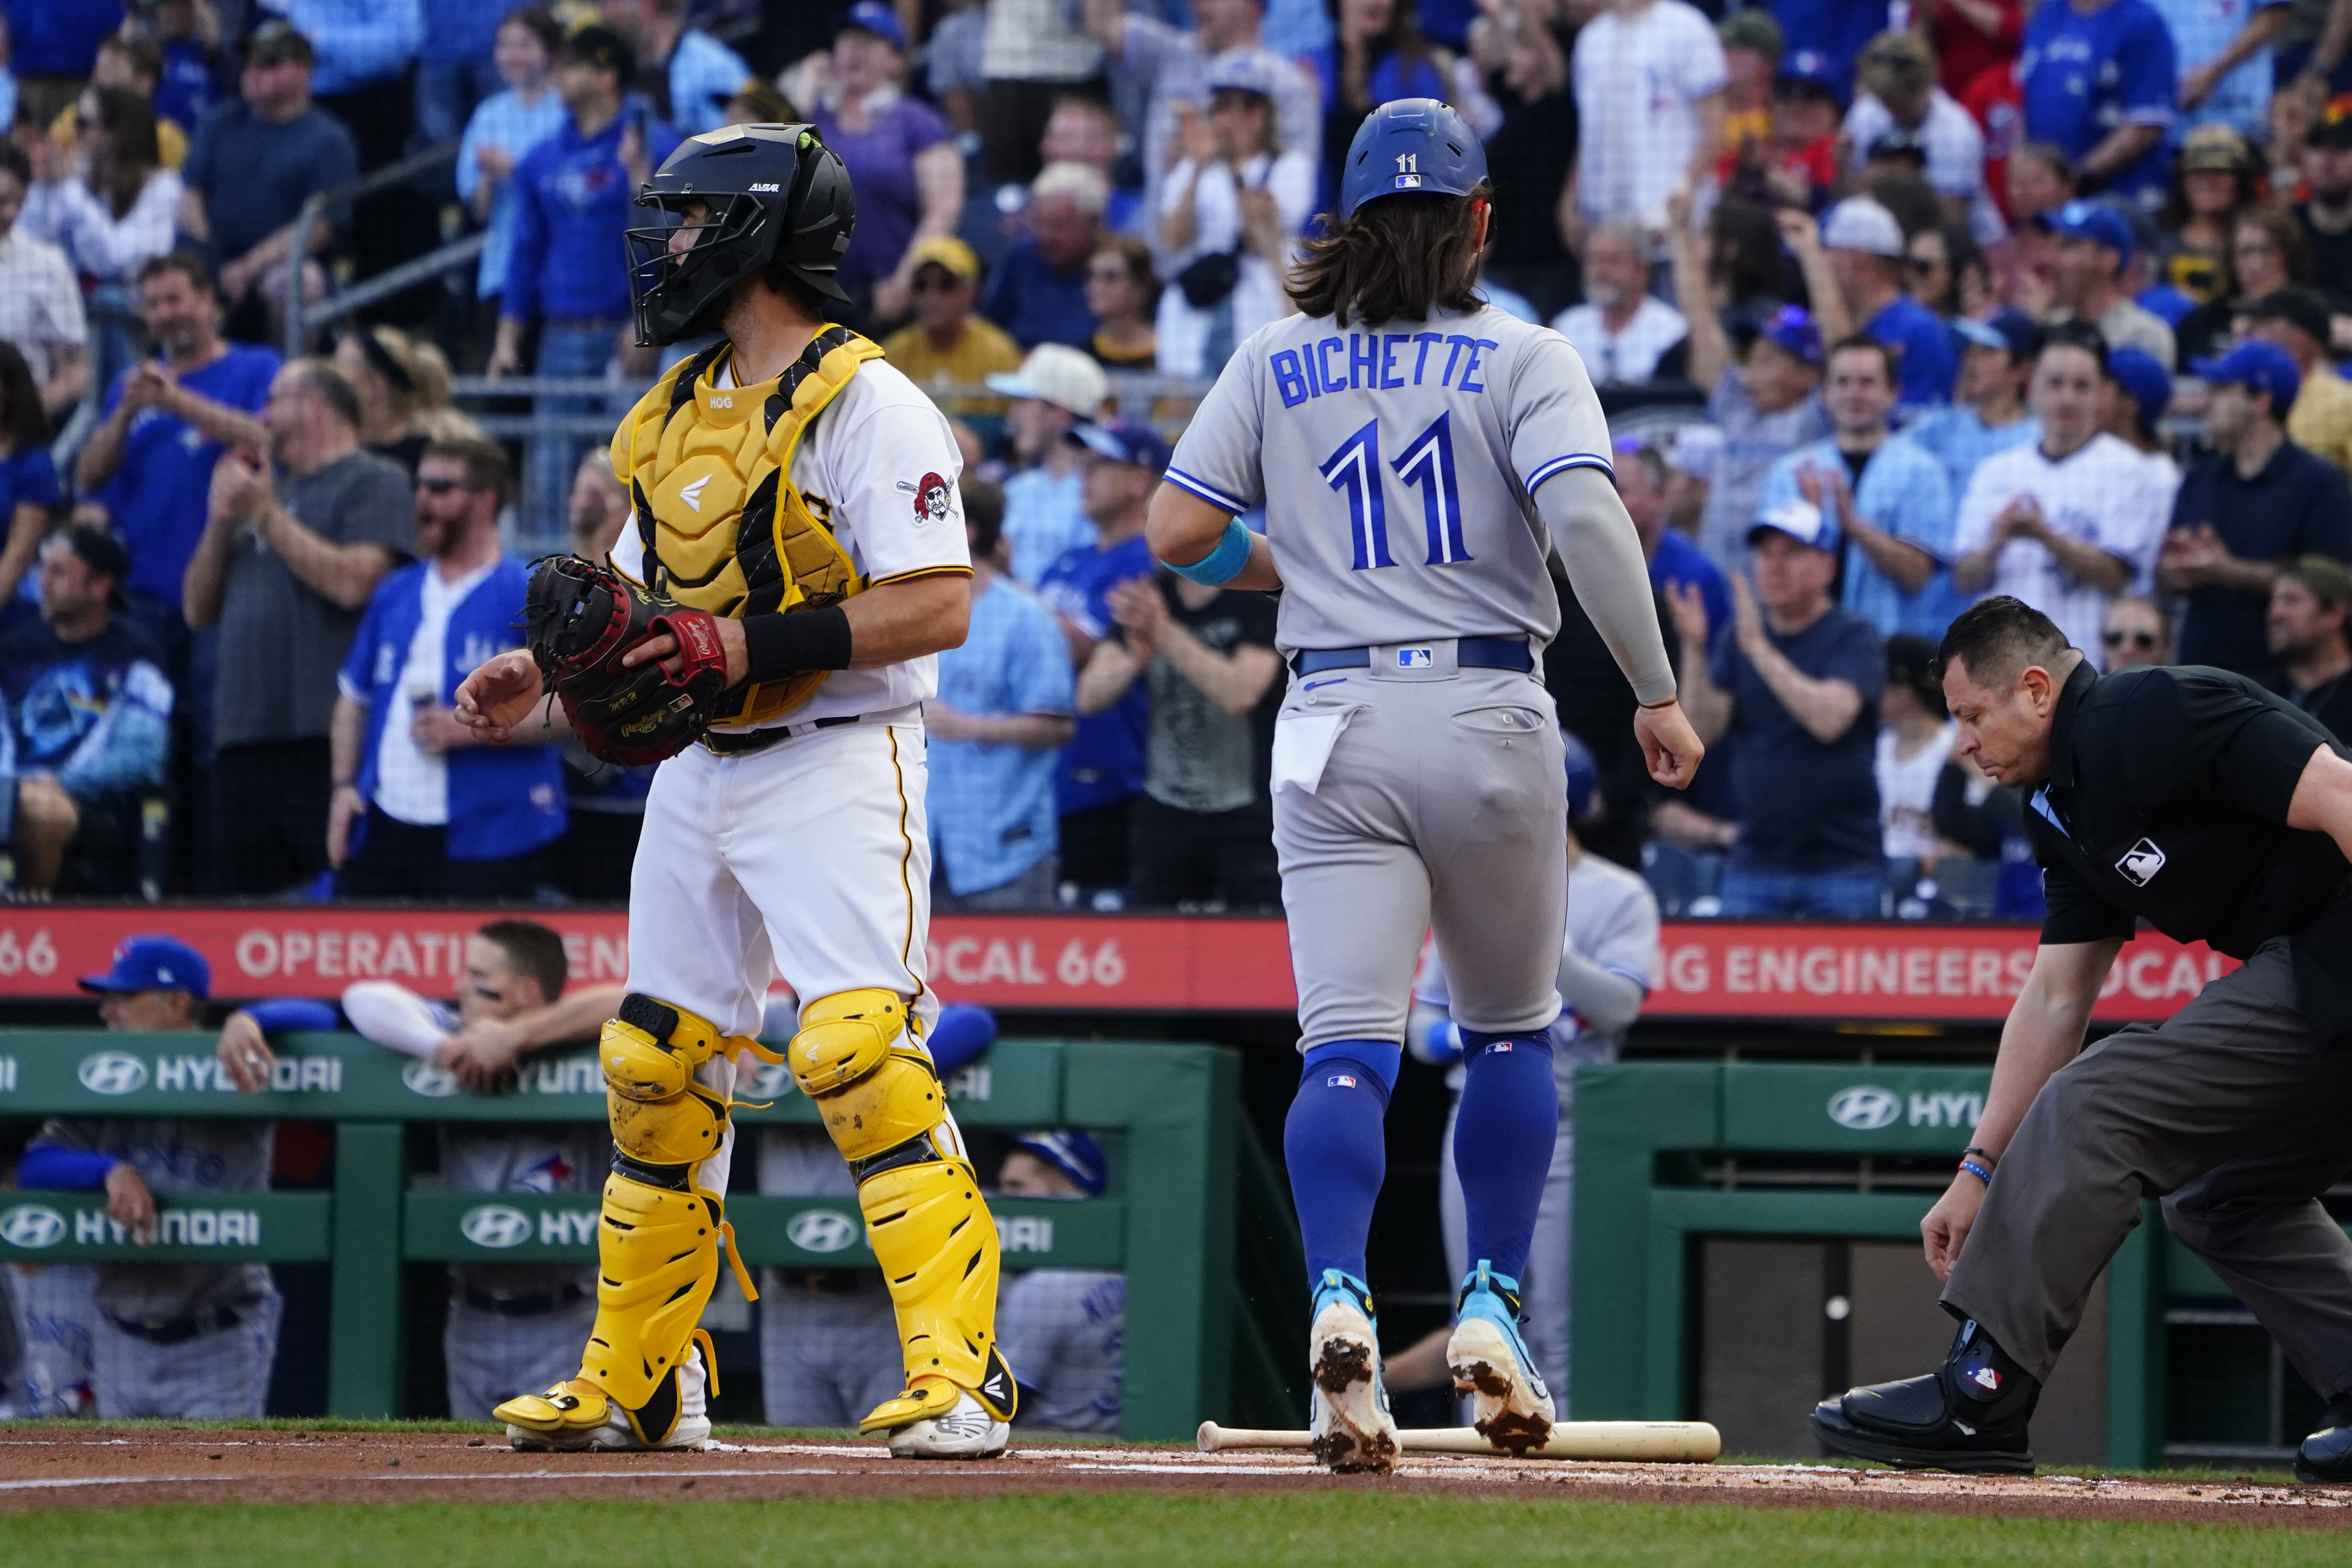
(1795, 687)
(1987, 413)
(2098, 78)
(1102, 769)
(1889, 498)
(1835, 29)
(504, 128)
(147, 468)
(572, 196)
(1001, 715)
(1039, 294)
(1056, 389)
(187, 83)
(52, 45)
(684, 73)
(420, 809)
(28, 478)
(254, 162)
(1866, 251)
(90, 725)
(457, 68)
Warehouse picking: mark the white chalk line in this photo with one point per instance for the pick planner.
(53, 1482)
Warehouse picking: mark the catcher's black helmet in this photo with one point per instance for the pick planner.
(776, 193)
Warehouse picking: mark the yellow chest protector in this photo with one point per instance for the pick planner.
(709, 470)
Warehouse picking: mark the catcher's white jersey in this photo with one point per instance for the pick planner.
(879, 468)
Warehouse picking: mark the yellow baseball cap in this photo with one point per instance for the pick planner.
(949, 252)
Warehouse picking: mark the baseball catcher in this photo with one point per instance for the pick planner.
(765, 631)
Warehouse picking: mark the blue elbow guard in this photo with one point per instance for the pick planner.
(1224, 564)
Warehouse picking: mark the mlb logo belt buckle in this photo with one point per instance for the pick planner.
(1423, 657)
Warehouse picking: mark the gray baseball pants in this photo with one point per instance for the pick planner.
(2232, 1113)
(1442, 806)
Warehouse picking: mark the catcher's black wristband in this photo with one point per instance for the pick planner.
(778, 645)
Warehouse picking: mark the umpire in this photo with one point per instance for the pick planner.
(2196, 800)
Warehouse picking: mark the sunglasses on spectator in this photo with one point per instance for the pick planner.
(936, 283)
(440, 487)
(1922, 264)
(2143, 641)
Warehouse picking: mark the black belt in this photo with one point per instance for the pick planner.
(736, 745)
(1469, 653)
(828, 1282)
(525, 1306)
(179, 1330)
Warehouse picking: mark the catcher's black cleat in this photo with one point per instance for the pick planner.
(1968, 1414)
(2326, 1457)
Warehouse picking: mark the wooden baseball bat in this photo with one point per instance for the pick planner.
(1652, 1440)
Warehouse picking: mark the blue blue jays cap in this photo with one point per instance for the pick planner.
(1074, 1154)
(2012, 331)
(1791, 327)
(2257, 365)
(2144, 380)
(1411, 144)
(1812, 70)
(2097, 222)
(1583, 778)
(875, 17)
(1123, 441)
(153, 963)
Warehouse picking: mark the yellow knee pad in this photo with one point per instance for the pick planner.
(650, 1052)
(657, 1264)
(874, 1087)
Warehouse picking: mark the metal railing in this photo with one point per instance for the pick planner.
(300, 316)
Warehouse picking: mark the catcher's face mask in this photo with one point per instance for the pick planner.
(683, 266)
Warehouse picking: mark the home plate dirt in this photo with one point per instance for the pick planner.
(96, 1466)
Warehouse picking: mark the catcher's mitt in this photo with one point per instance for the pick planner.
(580, 618)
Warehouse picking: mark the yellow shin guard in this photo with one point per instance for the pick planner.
(930, 1228)
(658, 1244)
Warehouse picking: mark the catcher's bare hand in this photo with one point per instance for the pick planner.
(499, 696)
(665, 648)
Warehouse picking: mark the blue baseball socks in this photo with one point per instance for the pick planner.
(1338, 1152)
(1503, 1137)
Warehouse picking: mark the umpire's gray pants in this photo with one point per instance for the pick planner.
(2229, 1110)
(1443, 807)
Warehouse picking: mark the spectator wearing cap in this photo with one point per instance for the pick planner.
(1203, 830)
(2095, 245)
(2305, 632)
(1039, 294)
(1764, 405)
(2254, 505)
(2296, 319)
(1899, 95)
(572, 200)
(2325, 211)
(1888, 498)
(1056, 389)
(90, 725)
(178, 1342)
(1987, 413)
(1102, 770)
(420, 808)
(1837, 31)
(900, 152)
(686, 74)
(1752, 48)
(1167, 70)
(1622, 330)
(1649, 79)
(1230, 211)
(254, 161)
(947, 344)
(2131, 406)
(2066, 521)
(2222, 50)
(503, 127)
(1796, 165)
(1062, 1329)
(2213, 184)
(1002, 714)
(1795, 688)
(1866, 249)
(2097, 77)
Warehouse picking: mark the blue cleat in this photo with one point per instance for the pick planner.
(1353, 1427)
(1511, 1407)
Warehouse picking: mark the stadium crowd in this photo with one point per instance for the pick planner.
(1892, 305)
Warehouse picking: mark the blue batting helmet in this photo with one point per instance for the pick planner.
(1407, 145)
(1583, 779)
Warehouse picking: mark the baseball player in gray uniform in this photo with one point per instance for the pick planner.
(511, 1326)
(1421, 457)
(178, 1340)
(1063, 1330)
(1606, 970)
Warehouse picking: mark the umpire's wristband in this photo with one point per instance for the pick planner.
(780, 645)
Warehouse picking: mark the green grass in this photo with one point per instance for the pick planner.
(1325, 1530)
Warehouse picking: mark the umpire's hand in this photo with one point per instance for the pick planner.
(1946, 1228)
(499, 695)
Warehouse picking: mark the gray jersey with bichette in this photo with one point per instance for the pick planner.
(1398, 465)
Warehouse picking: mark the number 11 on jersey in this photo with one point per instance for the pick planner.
(1427, 464)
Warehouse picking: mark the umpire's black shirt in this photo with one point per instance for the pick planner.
(2168, 800)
